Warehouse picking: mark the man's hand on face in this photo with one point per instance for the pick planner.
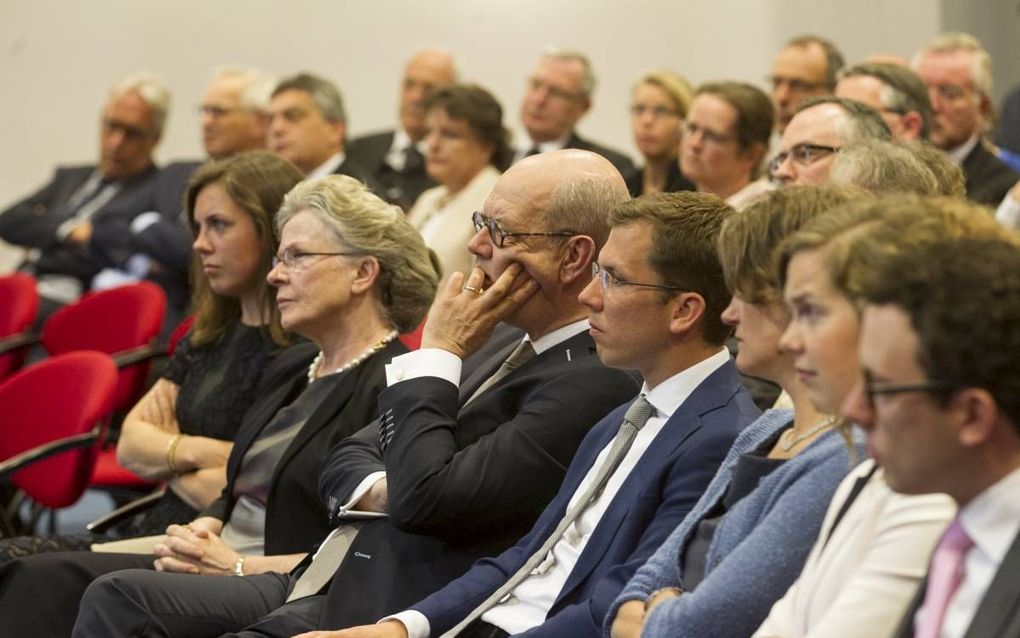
(464, 314)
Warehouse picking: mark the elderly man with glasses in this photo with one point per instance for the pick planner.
(819, 129)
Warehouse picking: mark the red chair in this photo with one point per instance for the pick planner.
(19, 305)
(50, 416)
(108, 473)
(123, 322)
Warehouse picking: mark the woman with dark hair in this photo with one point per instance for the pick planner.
(182, 430)
(350, 274)
(467, 148)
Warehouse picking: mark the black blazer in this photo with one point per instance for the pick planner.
(998, 615)
(464, 482)
(675, 181)
(167, 242)
(397, 187)
(988, 179)
(295, 518)
(33, 222)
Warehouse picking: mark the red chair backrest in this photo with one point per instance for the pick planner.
(413, 339)
(56, 398)
(111, 321)
(19, 304)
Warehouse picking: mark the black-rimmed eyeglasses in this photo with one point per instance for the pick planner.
(874, 388)
(802, 155)
(499, 236)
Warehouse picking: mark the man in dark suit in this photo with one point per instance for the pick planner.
(56, 223)
(307, 126)
(664, 321)
(957, 69)
(473, 441)
(942, 413)
(559, 94)
(146, 235)
(395, 158)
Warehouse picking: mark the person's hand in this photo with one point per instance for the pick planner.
(464, 315)
(81, 234)
(388, 629)
(158, 406)
(658, 597)
(191, 550)
(630, 618)
(375, 499)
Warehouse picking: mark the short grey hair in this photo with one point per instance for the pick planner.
(861, 122)
(902, 90)
(256, 86)
(981, 69)
(588, 80)
(947, 173)
(324, 94)
(151, 88)
(360, 222)
(883, 166)
(584, 206)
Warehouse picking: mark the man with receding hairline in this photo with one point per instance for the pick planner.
(56, 223)
(558, 95)
(805, 67)
(395, 157)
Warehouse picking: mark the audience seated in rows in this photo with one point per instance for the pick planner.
(344, 257)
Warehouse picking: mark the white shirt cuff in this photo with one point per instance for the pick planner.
(426, 362)
(65, 228)
(1008, 213)
(143, 221)
(415, 622)
(363, 487)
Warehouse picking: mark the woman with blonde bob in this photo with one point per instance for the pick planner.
(875, 544)
(742, 545)
(350, 274)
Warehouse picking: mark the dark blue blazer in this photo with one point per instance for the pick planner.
(663, 487)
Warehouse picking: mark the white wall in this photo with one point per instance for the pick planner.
(58, 57)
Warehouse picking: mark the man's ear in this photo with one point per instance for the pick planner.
(365, 276)
(977, 415)
(913, 122)
(575, 261)
(686, 311)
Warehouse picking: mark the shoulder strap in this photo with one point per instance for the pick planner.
(851, 497)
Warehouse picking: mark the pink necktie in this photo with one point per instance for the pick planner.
(944, 577)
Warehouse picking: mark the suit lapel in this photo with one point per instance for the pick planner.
(484, 370)
(1000, 601)
(714, 391)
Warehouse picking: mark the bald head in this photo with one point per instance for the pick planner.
(570, 188)
(428, 70)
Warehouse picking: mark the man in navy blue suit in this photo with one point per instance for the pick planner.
(654, 306)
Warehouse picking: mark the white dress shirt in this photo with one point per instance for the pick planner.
(328, 167)
(991, 520)
(396, 157)
(530, 602)
(543, 147)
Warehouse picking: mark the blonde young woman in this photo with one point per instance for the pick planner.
(658, 106)
(875, 544)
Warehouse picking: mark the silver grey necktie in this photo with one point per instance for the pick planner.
(635, 418)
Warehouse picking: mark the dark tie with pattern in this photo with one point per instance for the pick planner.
(635, 418)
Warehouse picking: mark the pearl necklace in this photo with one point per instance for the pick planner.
(313, 370)
(824, 424)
